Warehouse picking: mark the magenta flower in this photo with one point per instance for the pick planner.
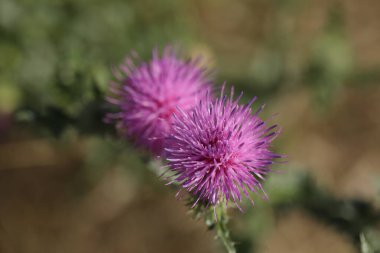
(147, 94)
(219, 150)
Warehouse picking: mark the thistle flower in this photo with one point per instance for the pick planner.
(147, 94)
(219, 151)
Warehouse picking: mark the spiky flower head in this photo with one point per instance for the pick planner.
(220, 150)
(147, 94)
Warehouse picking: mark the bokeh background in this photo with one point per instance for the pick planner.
(67, 184)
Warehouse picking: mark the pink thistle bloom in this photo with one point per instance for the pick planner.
(147, 94)
(219, 151)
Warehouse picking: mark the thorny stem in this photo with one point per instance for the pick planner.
(217, 219)
(222, 231)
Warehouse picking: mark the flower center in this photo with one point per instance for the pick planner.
(165, 109)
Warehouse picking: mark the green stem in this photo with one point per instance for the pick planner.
(223, 234)
(215, 218)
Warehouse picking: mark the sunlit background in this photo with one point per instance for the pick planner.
(67, 184)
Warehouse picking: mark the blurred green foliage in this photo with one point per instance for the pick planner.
(56, 55)
(331, 61)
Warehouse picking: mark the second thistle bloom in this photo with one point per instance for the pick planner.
(148, 93)
(220, 150)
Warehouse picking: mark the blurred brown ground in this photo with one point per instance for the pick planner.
(39, 212)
